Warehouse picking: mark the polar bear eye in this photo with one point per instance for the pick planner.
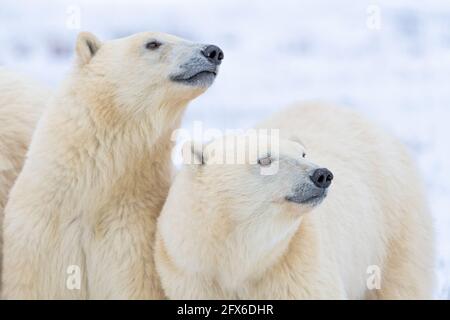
(153, 45)
(265, 161)
(304, 155)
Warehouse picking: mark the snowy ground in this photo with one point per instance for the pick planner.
(395, 69)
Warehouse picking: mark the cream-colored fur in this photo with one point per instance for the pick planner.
(21, 104)
(97, 174)
(228, 232)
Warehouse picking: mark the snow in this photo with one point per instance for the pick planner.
(395, 69)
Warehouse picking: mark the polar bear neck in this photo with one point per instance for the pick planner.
(86, 142)
(205, 241)
(254, 247)
(110, 111)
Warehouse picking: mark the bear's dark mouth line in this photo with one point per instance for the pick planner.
(312, 200)
(201, 73)
(195, 76)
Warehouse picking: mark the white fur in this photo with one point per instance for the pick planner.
(97, 174)
(227, 232)
(21, 104)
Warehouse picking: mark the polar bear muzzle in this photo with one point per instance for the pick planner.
(202, 68)
(314, 191)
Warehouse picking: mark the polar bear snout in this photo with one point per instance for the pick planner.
(322, 178)
(201, 68)
(311, 192)
(307, 194)
(214, 54)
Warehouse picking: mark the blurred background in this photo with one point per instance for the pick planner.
(387, 59)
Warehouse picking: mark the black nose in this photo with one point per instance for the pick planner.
(213, 54)
(322, 178)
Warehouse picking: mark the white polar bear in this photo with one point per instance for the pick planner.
(82, 214)
(229, 232)
(21, 103)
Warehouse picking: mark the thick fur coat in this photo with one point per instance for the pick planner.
(227, 232)
(81, 217)
(21, 104)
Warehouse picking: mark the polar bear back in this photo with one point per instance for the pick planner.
(375, 208)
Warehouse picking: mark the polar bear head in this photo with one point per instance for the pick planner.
(146, 69)
(257, 175)
(239, 215)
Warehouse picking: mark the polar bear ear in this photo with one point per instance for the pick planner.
(86, 47)
(192, 152)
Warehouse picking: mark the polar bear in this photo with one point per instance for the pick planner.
(348, 221)
(82, 214)
(21, 103)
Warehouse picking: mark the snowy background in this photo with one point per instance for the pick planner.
(388, 59)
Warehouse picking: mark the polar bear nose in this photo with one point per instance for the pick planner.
(322, 178)
(213, 54)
